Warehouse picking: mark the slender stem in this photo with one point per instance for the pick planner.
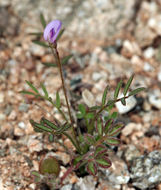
(56, 55)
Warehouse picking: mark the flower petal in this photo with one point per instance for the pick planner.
(52, 30)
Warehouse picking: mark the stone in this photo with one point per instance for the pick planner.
(23, 107)
(146, 170)
(159, 76)
(154, 98)
(148, 67)
(118, 173)
(130, 104)
(66, 187)
(130, 127)
(96, 76)
(85, 183)
(149, 52)
(12, 115)
(1, 97)
(34, 145)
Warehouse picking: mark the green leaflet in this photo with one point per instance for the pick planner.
(32, 87)
(128, 85)
(117, 90)
(136, 91)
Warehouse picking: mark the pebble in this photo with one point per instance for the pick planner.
(66, 187)
(12, 115)
(118, 173)
(1, 97)
(34, 145)
(130, 127)
(96, 76)
(2, 116)
(159, 76)
(148, 67)
(85, 183)
(146, 170)
(22, 125)
(130, 104)
(23, 107)
(149, 52)
(155, 98)
(18, 131)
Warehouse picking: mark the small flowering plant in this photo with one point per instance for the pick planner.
(92, 147)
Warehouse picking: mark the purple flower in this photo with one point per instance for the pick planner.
(52, 30)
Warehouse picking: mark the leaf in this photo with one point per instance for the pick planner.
(104, 97)
(123, 101)
(99, 150)
(27, 92)
(115, 130)
(40, 127)
(89, 139)
(128, 85)
(36, 33)
(91, 168)
(79, 115)
(94, 108)
(114, 115)
(48, 64)
(60, 34)
(32, 87)
(112, 141)
(89, 115)
(77, 159)
(42, 20)
(99, 126)
(44, 90)
(66, 59)
(136, 91)
(43, 44)
(103, 162)
(35, 173)
(117, 89)
(58, 103)
(82, 109)
(48, 123)
(108, 124)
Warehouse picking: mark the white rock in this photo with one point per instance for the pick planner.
(130, 104)
(129, 128)
(148, 67)
(96, 76)
(155, 98)
(149, 52)
(21, 125)
(159, 76)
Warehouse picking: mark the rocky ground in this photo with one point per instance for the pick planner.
(109, 40)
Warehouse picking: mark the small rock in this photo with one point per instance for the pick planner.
(1, 97)
(131, 152)
(130, 104)
(146, 170)
(23, 107)
(2, 117)
(37, 50)
(65, 158)
(85, 183)
(129, 128)
(118, 173)
(155, 98)
(22, 125)
(149, 52)
(159, 76)
(66, 187)
(8, 109)
(18, 131)
(12, 115)
(34, 145)
(148, 67)
(96, 76)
